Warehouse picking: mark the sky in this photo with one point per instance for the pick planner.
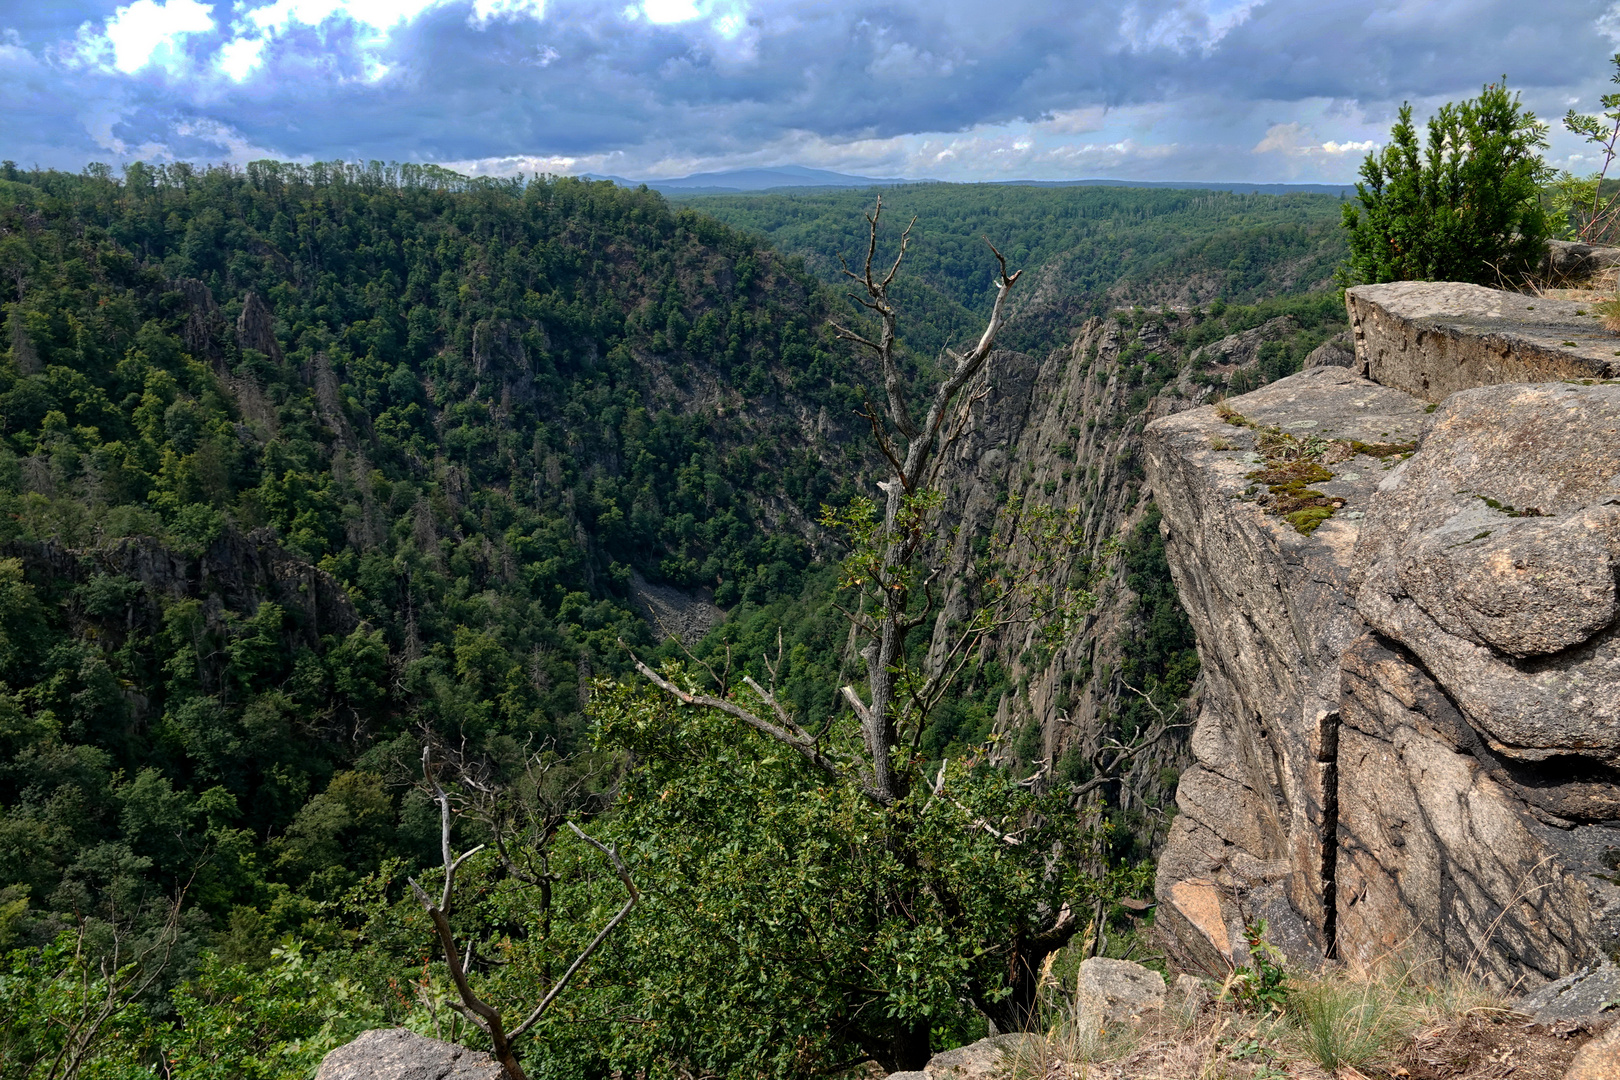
(965, 90)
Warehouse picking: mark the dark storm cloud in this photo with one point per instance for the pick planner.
(588, 79)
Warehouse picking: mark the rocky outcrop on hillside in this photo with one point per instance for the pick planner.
(1432, 339)
(1409, 738)
(397, 1054)
(1271, 609)
(1063, 432)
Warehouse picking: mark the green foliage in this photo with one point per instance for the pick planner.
(1586, 208)
(470, 404)
(1263, 981)
(791, 923)
(274, 1023)
(1466, 206)
(1106, 245)
(63, 1014)
(1345, 1025)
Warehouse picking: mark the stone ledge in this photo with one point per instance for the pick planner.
(1434, 338)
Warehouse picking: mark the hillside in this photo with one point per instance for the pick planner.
(1086, 250)
(302, 466)
(306, 467)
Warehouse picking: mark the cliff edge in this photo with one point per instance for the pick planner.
(1407, 616)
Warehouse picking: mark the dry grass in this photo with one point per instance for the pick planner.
(1398, 1022)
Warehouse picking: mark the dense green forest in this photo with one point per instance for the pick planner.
(1100, 248)
(479, 411)
(303, 468)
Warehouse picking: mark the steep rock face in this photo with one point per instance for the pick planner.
(1063, 432)
(1482, 716)
(1272, 614)
(1409, 733)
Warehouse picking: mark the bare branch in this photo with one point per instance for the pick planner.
(612, 855)
(793, 736)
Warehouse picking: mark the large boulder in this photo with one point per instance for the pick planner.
(1598, 1059)
(1118, 991)
(1273, 612)
(1581, 996)
(986, 1059)
(397, 1054)
(1569, 261)
(1491, 555)
(1434, 338)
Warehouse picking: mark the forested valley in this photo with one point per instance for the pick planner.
(305, 470)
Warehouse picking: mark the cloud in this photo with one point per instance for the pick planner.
(1074, 121)
(1298, 140)
(146, 32)
(650, 87)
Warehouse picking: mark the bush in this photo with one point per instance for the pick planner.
(1464, 208)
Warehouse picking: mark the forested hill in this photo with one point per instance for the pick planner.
(299, 463)
(302, 466)
(1085, 250)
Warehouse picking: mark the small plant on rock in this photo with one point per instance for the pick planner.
(1262, 982)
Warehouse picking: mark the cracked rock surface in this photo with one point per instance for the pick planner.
(1491, 555)
(1272, 610)
(1409, 736)
(1434, 338)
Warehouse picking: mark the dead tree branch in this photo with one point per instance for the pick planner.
(474, 1008)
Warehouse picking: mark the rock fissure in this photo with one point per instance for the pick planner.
(1426, 681)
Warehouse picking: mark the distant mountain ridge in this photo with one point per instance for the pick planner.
(778, 177)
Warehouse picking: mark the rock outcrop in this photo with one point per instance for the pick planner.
(1272, 612)
(1432, 339)
(1118, 991)
(397, 1054)
(987, 1059)
(1410, 735)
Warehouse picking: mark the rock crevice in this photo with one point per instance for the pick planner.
(1411, 731)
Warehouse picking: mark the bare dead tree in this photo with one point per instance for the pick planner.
(911, 460)
(914, 431)
(473, 1008)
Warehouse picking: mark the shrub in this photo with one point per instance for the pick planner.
(1466, 207)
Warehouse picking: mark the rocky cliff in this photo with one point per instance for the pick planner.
(1406, 614)
(1066, 431)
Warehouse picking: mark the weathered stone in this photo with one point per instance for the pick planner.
(1491, 555)
(1569, 261)
(1272, 611)
(1580, 995)
(1189, 996)
(397, 1054)
(1438, 861)
(983, 1060)
(1338, 351)
(1117, 991)
(1432, 339)
(1198, 901)
(1598, 1059)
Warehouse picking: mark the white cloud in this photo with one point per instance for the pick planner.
(1608, 23)
(665, 12)
(1187, 25)
(1298, 140)
(145, 32)
(1283, 139)
(486, 11)
(240, 58)
(378, 15)
(1075, 121)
